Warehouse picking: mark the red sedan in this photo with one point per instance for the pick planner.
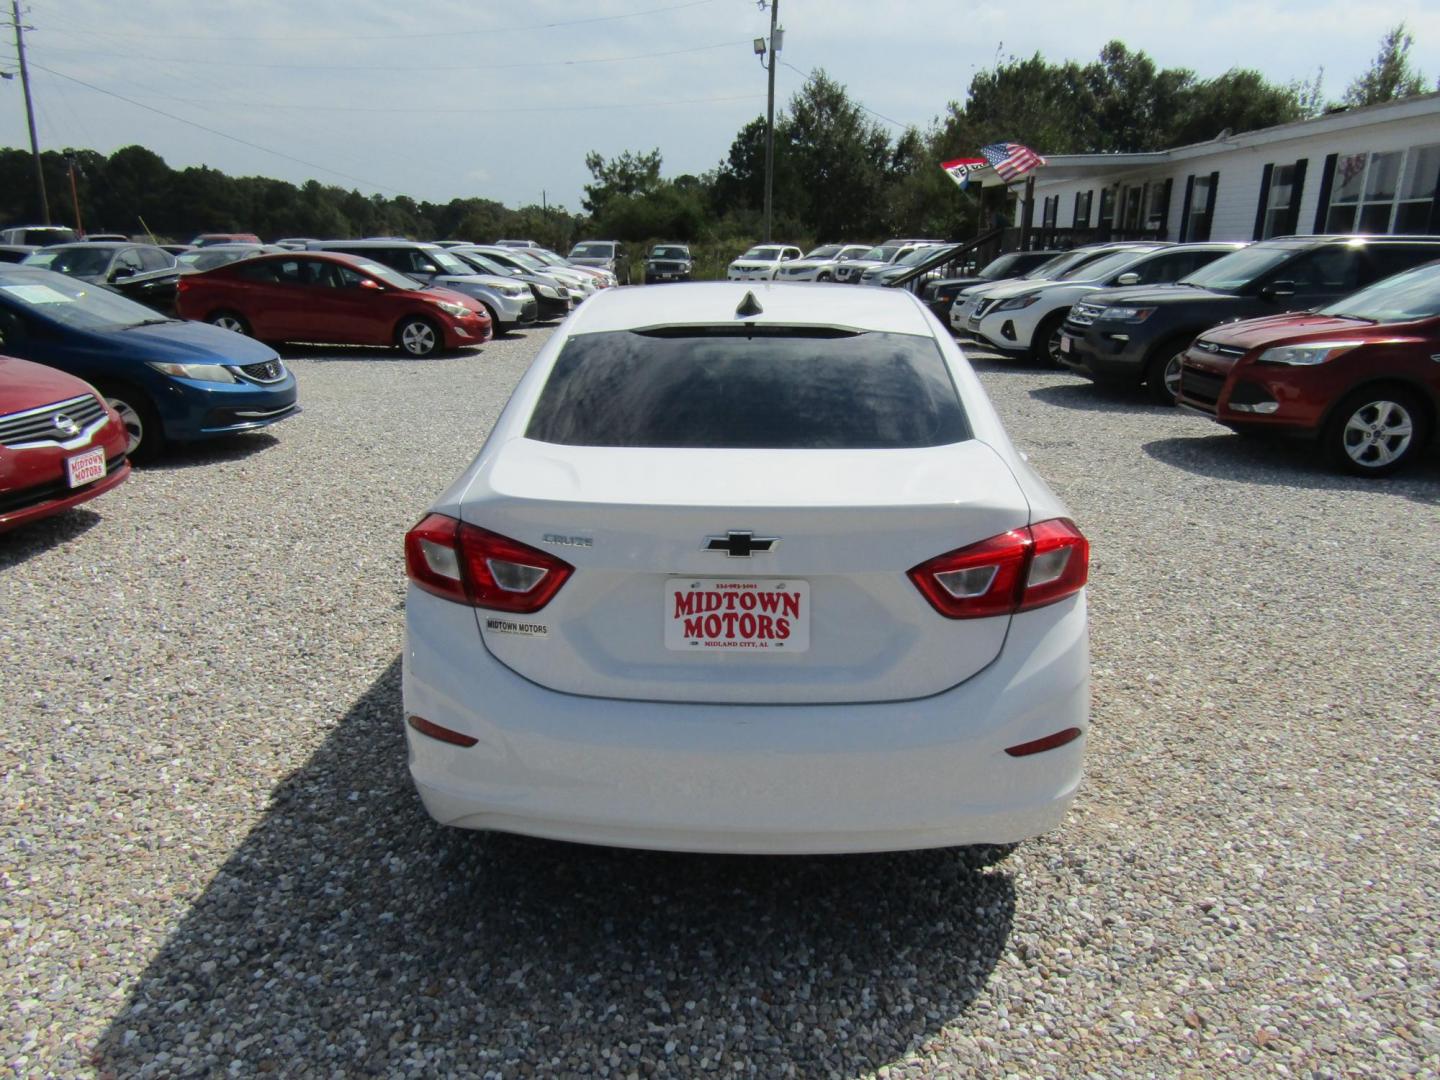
(60, 444)
(330, 297)
(1362, 374)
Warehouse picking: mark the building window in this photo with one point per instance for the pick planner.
(1107, 208)
(1051, 212)
(1130, 218)
(1388, 192)
(1277, 206)
(1082, 209)
(1202, 205)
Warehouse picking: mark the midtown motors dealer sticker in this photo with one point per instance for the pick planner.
(740, 616)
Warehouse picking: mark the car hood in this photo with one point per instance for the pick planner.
(1302, 325)
(592, 260)
(487, 281)
(1159, 294)
(179, 341)
(752, 264)
(24, 385)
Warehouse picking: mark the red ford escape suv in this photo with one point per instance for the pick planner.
(1362, 373)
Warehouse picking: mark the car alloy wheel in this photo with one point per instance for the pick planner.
(142, 423)
(1378, 434)
(134, 423)
(418, 337)
(228, 320)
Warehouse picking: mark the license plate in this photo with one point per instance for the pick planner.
(85, 468)
(737, 615)
(1064, 343)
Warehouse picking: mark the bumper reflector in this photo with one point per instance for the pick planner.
(444, 734)
(1049, 742)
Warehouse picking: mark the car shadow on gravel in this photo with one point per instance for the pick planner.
(329, 354)
(1292, 463)
(349, 934)
(212, 451)
(38, 537)
(1086, 396)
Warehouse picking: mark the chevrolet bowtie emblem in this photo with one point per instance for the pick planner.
(741, 545)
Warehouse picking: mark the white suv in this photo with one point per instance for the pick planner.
(761, 262)
(819, 265)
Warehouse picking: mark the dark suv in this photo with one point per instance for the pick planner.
(1139, 334)
(939, 295)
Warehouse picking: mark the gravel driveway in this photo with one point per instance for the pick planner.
(213, 862)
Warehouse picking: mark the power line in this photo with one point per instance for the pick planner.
(217, 132)
(209, 62)
(430, 110)
(392, 37)
(862, 108)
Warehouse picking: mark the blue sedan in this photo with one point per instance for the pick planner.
(170, 380)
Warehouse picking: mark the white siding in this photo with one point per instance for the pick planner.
(1241, 169)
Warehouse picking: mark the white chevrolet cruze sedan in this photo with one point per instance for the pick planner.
(748, 568)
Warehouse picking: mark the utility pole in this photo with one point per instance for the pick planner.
(770, 119)
(30, 110)
(75, 196)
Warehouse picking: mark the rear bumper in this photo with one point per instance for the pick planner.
(776, 779)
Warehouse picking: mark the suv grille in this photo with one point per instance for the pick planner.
(57, 423)
(1200, 386)
(267, 372)
(1216, 349)
(1085, 314)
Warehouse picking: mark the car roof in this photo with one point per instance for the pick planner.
(379, 241)
(712, 303)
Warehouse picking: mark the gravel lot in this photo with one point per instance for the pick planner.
(213, 862)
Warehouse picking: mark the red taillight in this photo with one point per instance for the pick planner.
(1022, 569)
(444, 734)
(470, 565)
(1049, 742)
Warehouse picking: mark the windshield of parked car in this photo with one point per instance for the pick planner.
(485, 264)
(762, 254)
(1233, 272)
(1059, 265)
(883, 253)
(918, 255)
(1101, 267)
(544, 256)
(732, 387)
(1414, 294)
(77, 260)
(828, 251)
(209, 258)
(74, 303)
(389, 276)
(592, 251)
(532, 262)
(669, 253)
(448, 263)
(1001, 267)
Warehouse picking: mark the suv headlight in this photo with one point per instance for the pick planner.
(1305, 355)
(1015, 303)
(547, 290)
(458, 310)
(1127, 314)
(513, 291)
(202, 372)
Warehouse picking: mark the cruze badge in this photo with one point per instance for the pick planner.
(741, 545)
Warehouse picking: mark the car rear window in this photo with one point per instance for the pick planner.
(729, 388)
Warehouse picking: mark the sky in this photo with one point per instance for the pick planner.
(502, 99)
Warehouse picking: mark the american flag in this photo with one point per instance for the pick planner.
(1011, 159)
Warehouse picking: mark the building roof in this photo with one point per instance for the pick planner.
(1060, 167)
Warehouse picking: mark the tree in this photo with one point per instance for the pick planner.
(1239, 101)
(1390, 75)
(628, 174)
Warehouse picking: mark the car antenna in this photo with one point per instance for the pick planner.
(749, 306)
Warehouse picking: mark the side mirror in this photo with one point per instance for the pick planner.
(371, 284)
(1277, 289)
(1128, 278)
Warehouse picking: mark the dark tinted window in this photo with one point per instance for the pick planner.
(1327, 269)
(1387, 259)
(778, 390)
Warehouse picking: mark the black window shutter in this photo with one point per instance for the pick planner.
(1185, 208)
(1327, 177)
(1210, 205)
(1264, 198)
(1297, 189)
